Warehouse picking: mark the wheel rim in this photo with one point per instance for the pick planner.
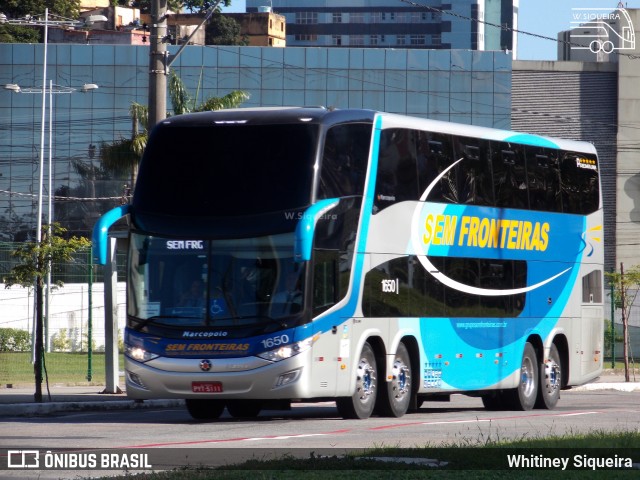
(401, 379)
(553, 376)
(366, 381)
(527, 378)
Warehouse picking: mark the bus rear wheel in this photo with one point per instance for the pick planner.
(395, 401)
(550, 380)
(360, 405)
(524, 396)
(205, 408)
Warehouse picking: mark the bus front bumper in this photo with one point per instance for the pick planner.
(229, 378)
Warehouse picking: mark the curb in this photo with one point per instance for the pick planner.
(621, 387)
(32, 410)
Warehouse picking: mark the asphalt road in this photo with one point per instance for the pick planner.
(461, 422)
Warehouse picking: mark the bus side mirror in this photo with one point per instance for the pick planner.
(305, 230)
(101, 231)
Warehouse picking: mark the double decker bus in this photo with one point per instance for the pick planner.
(279, 255)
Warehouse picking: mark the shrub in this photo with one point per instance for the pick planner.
(14, 340)
(61, 342)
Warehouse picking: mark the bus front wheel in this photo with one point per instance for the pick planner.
(360, 405)
(204, 408)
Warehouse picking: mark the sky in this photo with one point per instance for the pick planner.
(542, 17)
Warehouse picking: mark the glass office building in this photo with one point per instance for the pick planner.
(462, 86)
(436, 24)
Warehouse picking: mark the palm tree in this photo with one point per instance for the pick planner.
(124, 155)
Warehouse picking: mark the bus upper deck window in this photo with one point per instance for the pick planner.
(508, 157)
(471, 152)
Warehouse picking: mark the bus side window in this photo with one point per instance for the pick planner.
(435, 154)
(502, 275)
(509, 175)
(474, 172)
(325, 278)
(333, 249)
(466, 271)
(592, 287)
(544, 179)
(579, 180)
(397, 176)
(344, 160)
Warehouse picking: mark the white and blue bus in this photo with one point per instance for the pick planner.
(371, 259)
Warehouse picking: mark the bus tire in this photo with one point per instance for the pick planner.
(205, 408)
(550, 380)
(524, 396)
(395, 399)
(244, 408)
(360, 405)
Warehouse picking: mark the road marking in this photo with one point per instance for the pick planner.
(482, 420)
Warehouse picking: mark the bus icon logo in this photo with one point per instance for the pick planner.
(601, 30)
(23, 459)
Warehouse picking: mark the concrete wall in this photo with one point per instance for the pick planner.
(69, 312)
(628, 165)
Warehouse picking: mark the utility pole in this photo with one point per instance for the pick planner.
(158, 63)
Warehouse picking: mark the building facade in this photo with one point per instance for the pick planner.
(459, 85)
(463, 24)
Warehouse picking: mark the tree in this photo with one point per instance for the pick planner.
(145, 5)
(203, 5)
(626, 285)
(18, 34)
(125, 154)
(173, 5)
(181, 99)
(223, 30)
(21, 8)
(34, 263)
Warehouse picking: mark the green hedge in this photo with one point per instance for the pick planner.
(14, 340)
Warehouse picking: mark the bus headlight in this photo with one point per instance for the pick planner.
(139, 354)
(286, 351)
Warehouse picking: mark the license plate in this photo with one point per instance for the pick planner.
(206, 387)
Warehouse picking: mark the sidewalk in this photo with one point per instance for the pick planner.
(18, 401)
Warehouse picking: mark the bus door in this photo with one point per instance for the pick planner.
(592, 332)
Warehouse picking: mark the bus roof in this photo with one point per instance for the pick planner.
(272, 115)
(328, 116)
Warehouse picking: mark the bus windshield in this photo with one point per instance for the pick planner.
(226, 170)
(245, 282)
